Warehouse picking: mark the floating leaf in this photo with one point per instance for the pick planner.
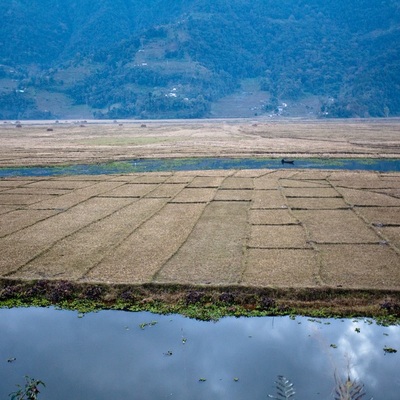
(145, 324)
(389, 350)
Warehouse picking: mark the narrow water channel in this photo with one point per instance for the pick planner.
(188, 164)
(120, 355)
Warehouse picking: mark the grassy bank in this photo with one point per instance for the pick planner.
(206, 303)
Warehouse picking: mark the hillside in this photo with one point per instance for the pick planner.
(199, 58)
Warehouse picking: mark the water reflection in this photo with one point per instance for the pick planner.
(189, 164)
(107, 355)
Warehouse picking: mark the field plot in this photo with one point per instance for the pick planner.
(69, 143)
(284, 229)
(272, 229)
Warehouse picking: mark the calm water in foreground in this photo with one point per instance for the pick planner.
(120, 355)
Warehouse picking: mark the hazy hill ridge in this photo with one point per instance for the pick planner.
(187, 58)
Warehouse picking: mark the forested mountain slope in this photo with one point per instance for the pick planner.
(178, 59)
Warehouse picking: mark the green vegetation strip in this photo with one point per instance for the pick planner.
(205, 303)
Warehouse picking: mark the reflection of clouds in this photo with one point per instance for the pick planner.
(97, 357)
(360, 352)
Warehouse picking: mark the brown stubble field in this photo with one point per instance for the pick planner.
(318, 239)
(70, 143)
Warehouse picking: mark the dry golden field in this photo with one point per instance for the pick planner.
(91, 143)
(285, 230)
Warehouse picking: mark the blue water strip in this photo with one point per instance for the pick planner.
(194, 164)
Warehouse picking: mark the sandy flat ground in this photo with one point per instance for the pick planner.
(248, 228)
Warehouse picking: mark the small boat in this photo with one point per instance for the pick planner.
(283, 161)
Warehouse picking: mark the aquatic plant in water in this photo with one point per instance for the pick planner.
(350, 389)
(284, 389)
(30, 391)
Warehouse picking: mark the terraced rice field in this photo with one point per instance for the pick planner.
(285, 229)
(252, 228)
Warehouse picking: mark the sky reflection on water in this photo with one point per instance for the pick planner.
(107, 355)
(207, 163)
